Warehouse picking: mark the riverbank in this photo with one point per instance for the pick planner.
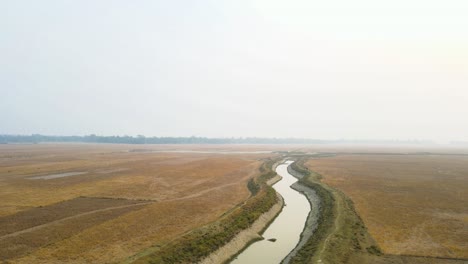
(198, 244)
(285, 231)
(247, 236)
(312, 218)
(340, 236)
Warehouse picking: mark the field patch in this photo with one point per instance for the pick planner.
(126, 203)
(23, 232)
(412, 204)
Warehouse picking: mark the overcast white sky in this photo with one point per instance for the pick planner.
(362, 69)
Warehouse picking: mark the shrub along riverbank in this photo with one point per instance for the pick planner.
(197, 244)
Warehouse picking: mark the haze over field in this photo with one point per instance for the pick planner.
(322, 69)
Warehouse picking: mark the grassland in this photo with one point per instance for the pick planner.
(341, 236)
(414, 206)
(199, 243)
(128, 201)
(80, 203)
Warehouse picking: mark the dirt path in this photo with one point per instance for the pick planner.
(69, 218)
(205, 191)
(200, 193)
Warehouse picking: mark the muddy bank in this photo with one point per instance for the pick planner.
(286, 229)
(247, 236)
(312, 218)
(294, 173)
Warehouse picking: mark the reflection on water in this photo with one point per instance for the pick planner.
(286, 228)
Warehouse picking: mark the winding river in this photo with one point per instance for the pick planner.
(286, 228)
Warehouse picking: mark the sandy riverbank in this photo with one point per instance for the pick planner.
(245, 237)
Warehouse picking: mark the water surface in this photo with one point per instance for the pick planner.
(286, 228)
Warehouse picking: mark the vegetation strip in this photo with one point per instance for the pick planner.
(323, 224)
(198, 244)
(340, 236)
(245, 238)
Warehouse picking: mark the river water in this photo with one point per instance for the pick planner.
(286, 228)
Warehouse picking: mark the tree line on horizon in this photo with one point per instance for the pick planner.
(140, 139)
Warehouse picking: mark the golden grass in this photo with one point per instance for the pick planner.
(411, 204)
(182, 191)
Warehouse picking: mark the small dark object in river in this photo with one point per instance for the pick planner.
(272, 239)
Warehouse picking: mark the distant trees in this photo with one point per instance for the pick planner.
(140, 139)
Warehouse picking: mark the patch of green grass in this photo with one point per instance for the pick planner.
(253, 186)
(374, 250)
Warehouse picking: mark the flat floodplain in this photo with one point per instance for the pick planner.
(104, 203)
(413, 204)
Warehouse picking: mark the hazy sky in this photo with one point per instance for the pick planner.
(362, 69)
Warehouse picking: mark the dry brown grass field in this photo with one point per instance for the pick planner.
(121, 200)
(412, 204)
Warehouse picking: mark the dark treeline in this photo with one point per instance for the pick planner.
(37, 138)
